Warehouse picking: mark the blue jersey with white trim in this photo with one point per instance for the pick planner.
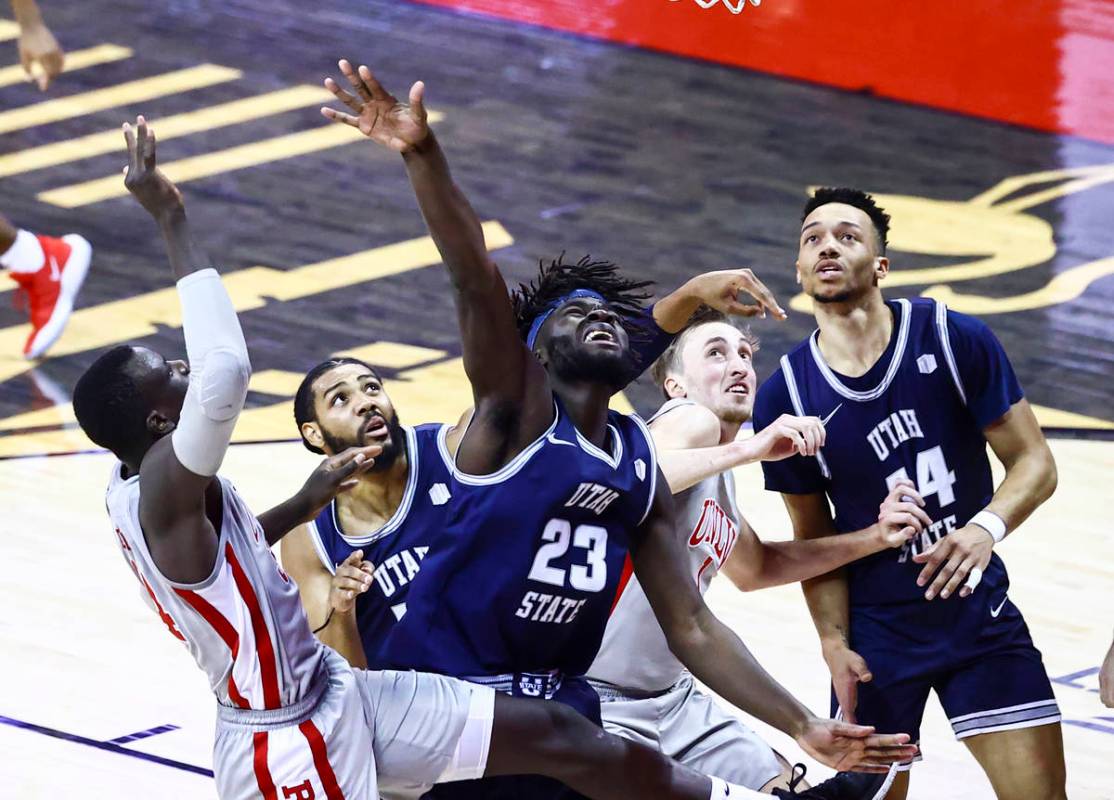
(918, 413)
(525, 575)
(397, 549)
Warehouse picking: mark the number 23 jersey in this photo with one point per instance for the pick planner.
(525, 574)
(918, 414)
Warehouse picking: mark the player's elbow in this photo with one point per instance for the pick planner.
(687, 636)
(1047, 476)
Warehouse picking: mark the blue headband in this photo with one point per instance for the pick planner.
(575, 294)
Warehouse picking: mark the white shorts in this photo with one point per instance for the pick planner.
(360, 735)
(690, 727)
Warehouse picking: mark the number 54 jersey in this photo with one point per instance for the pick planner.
(529, 564)
(917, 414)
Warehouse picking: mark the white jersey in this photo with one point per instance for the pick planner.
(635, 655)
(244, 624)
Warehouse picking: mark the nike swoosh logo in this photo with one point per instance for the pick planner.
(994, 612)
(555, 440)
(828, 418)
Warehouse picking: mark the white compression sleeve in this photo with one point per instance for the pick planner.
(219, 373)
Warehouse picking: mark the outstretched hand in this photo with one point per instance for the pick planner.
(843, 746)
(142, 177)
(721, 291)
(337, 474)
(376, 112)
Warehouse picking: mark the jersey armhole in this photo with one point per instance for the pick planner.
(653, 464)
(319, 546)
(944, 338)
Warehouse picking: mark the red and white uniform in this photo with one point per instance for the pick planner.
(294, 720)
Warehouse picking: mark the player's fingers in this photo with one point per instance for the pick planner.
(851, 730)
(368, 567)
(889, 741)
(735, 308)
(343, 96)
(354, 79)
(417, 99)
(129, 139)
(339, 116)
(958, 577)
(860, 669)
(349, 585)
(367, 77)
(793, 435)
(755, 288)
(149, 159)
(943, 576)
(354, 557)
(52, 64)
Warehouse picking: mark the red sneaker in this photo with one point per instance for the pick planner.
(51, 290)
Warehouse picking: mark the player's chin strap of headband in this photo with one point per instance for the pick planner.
(219, 373)
(575, 294)
(996, 527)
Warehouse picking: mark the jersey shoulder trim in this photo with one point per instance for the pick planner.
(799, 408)
(319, 545)
(837, 385)
(941, 318)
(670, 405)
(638, 421)
(395, 522)
(508, 470)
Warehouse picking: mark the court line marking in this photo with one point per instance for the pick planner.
(219, 162)
(75, 59)
(8, 30)
(107, 746)
(135, 737)
(77, 105)
(205, 119)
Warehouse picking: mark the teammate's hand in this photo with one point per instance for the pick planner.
(352, 578)
(901, 515)
(721, 290)
(952, 558)
(40, 54)
(377, 113)
(1106, 679)
(848, 669)
(334, 475)
(790, 435)
(844, 746)
(142, 177)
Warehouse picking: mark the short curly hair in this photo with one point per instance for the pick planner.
(856, 198)
(556, 279)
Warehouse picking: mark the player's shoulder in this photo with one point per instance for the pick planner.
(683, 423)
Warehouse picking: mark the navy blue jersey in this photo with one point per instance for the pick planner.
(524, 577)
(918, 413)
(399, 547)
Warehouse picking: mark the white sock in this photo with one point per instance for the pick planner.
(721, 789)
(25, 254)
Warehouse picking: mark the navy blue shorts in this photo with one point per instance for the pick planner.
(975, 652)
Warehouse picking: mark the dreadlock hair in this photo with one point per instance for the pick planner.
(556, 279)
(108, 404)
(303, 399)
(670, 361)
(856, 198)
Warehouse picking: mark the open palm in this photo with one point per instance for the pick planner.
(377, 113)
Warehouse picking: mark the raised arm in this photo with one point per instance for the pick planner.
(716, 656)
(37, 45)
(509, 386)
(177, 471)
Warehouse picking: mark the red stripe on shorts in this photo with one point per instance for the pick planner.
(259, 627)
(321, 760)
(262, 771)
(624, 579)
(224, 630)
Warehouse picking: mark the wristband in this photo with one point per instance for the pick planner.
(991, 523)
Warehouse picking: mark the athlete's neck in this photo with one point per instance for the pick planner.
(854, 334)
(728, 431)
(587, 405)
(377, 496)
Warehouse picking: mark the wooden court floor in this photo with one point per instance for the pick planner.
(87, 664)
(667, 165)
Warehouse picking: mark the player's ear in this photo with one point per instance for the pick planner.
(312, 434)
(881, 268)
(674, 388)
(158, 424)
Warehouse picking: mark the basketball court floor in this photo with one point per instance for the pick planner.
(666, 136)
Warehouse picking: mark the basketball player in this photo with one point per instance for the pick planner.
(48, 271)
(915, 392)
(708, 377)
(293, 717)
(551, 489)
(356, 562)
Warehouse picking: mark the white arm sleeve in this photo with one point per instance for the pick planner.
(219, 373)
